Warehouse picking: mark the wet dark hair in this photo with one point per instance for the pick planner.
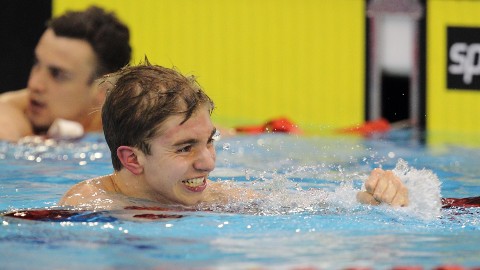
(141, 98)
(107, 35)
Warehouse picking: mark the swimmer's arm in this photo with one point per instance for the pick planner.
(223, 193)
(384, 187)
(13, 122)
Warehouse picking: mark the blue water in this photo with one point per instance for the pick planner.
(290, 230)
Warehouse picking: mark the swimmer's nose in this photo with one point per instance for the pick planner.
(206, 159)
(36, 81)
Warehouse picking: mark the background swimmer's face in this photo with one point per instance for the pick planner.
(60, 80)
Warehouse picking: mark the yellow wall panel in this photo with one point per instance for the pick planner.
(449, 111)
(303, 59)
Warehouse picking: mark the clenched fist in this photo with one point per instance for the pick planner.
(384, 187)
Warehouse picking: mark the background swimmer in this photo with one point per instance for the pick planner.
(75, 49)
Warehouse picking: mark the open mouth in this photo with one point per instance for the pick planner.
(36, 105)
(195, 184)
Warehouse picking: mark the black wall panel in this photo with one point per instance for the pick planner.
(22, 22)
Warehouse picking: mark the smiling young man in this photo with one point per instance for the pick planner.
(75, 49)
(158, 128)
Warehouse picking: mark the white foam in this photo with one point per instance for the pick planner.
(424, 190)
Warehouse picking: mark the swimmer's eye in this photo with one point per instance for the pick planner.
(185, 149)
(59, 74)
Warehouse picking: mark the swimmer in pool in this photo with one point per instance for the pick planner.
(157, 125)
(75, 49)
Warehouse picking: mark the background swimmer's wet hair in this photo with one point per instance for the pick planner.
(140, 98)
(108, 36)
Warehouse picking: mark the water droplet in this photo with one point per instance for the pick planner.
(226, 146)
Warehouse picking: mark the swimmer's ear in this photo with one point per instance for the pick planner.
(129, 159)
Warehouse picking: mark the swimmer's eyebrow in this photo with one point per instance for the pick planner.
(194, 141)
(51, 66)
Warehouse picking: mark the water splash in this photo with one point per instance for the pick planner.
(424, 190)
(282, 194)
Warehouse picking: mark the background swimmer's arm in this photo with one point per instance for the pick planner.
(13, 122)
(17, 99)
(384, 187)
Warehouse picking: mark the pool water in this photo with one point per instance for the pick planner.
(310, 218)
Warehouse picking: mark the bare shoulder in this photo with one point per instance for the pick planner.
(14, 123)
(18, 98)
(92, 192)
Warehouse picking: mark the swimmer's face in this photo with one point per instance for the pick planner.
(181, 158)
(60, 80)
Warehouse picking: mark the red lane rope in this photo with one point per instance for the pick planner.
(461, 202)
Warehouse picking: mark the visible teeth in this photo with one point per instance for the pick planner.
(193, 182)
